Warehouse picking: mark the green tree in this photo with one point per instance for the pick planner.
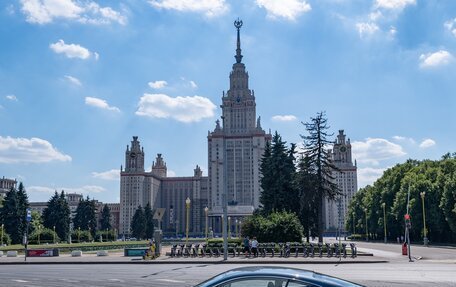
(138, 223)
(58, 215)
(85, 217)
(106, 218)
(316, 150)
(22, 206)
(149, 222)
(10, 217)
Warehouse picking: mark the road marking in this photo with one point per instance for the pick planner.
(170, 280)
(116, 280)
(20, 281)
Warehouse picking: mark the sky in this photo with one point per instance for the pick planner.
(79, 78)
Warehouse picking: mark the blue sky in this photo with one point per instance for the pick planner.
(79, 78)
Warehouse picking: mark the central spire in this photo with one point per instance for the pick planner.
(238, 25)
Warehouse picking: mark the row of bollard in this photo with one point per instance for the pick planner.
(267, 249)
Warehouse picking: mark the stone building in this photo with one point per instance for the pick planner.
(346, 179)
(5, 185)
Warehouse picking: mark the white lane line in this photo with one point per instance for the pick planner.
(116, 280)
(19, 281)
(170, 280)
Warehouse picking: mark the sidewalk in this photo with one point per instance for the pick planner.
(116, 257)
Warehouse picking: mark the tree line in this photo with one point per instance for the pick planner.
(54, 223)
(432, 182)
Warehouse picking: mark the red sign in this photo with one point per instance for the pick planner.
(39, 253)
(407, 217)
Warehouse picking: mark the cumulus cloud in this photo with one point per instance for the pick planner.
(33, 150)
(451, 26)
(369, 175)
(404, 139)
(46, 11)
(284, 118)
(113, 174)
(427, 143)
(394, 4)
(285, 9)
(100, 103)
(193, 84)
(439, 58)
(84, 189)
(72, 50)
(374, 150)
(73, 80)
(158, 84)
(210, 8)
(183, 109)
(11, 98)
(366, 29)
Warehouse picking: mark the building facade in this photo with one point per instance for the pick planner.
(236, 147)
(347, 181)
(138, 188)
(5, 185)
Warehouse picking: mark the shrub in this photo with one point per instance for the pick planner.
(6, 238)
(81, 236)
(44, 235)
(276, 227)
(106, 235)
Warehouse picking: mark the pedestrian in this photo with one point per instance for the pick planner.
(255, 247)
(402, 238)
(246, 244)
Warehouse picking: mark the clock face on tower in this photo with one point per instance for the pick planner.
(342, 149)
(132, 155)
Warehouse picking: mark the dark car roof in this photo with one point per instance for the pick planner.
(286, 272)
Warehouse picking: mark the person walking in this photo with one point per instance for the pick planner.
(246, 244)
(255, 247)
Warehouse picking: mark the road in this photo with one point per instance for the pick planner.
(437, 267)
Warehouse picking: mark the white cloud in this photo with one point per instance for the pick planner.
(193, 84)
(450, 25)
(73, 80)
(366, 29)
(72, 50)
(100, 103)
(46, 11)
(427, 143)
(210, 8)
(284, 118)
(34, 150)
(183, 109)
(436, 59)
(404, 139)
(287, 9)
(394, 4)
(84, 189)
(11, 98)
(393, 31)
(113, 174)
(158, 84)
(369, 175)
(374, 150)
(170, 173)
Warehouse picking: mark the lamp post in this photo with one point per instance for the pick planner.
(229, 227)
(3, 226)
(367, 234)
(39, 233)
(236, 228)
(187, 206)
(206, 209)
(54, 234)
(425, 239)
(353, 219)
(79, 234)
(384, 221)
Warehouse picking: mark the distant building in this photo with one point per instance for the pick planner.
(5, 185)
(347, 181)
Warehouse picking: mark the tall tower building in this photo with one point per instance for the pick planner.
(235, 148)
(347, 181)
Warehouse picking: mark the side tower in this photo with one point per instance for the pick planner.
(236, 146)
(131, 185)
(347, 181)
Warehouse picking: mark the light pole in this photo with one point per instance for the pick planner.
(236, 227)
(79, 234)
(187, 206)
(54, 234)
(206, 209)
(353, 218)
(229, 227)
(3, 226)
(367, 234)
(39, 233)
(425, 239)
(384, 220)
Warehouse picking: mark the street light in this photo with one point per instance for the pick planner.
(236, 227)
(3, 226)
(384, 220)
(229, 227)
(206, 209)
(187, 206)
(425, 239)
(353, 218)
(54, 234)
(39, 233)
(367, 234)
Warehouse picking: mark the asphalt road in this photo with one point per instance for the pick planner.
(385, 274)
